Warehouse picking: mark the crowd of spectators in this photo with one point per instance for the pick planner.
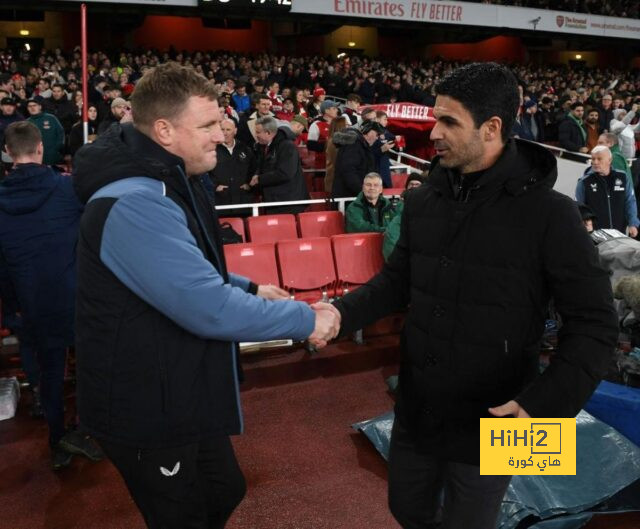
(45, 89)
(610, 8)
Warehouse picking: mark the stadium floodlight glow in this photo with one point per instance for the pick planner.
(352, 44)
(578, 56)
(24, 32)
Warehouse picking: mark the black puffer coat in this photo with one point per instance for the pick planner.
(354, 160)
(280, 171)
(477, 277)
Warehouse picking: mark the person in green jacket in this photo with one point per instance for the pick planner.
(618, 161)
(392, 233)
(50, 129)
(371, 210)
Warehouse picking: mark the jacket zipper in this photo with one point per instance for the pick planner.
(606, 188)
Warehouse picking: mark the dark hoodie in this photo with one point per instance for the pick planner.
(39, 216)
(354, 160)
(476, 271)
(157, 312)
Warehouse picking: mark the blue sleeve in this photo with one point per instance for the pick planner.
(239, 281)
(630, 204)
(166, 269)
(580, 191)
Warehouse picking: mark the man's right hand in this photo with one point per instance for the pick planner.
(584, 150)
(221, 188)
(327, 324)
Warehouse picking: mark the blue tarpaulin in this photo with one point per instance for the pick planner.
(607, 464)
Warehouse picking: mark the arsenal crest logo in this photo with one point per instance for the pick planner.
(560, 21)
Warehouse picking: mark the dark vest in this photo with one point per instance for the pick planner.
(605, 195)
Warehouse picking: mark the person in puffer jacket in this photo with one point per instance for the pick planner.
(355, 157)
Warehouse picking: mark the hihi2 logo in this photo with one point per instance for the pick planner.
(527, 446)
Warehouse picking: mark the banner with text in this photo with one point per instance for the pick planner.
(468, 14)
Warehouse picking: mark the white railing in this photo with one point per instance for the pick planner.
(398, 166)
(256, 206)
(400, 155)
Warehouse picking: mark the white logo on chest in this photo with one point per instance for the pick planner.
(170, 473)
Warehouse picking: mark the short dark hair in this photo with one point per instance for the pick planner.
(22, 138)
(485, 90)
(576, 105)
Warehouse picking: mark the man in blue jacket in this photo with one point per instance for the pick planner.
(159, 315)
(609, 193)
(39, 216)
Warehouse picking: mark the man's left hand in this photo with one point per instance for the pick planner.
(254, 181)
(272, 292)
(510, 408)
(633, 232)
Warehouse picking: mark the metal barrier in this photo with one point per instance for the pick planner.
(400, 166)
(256, 206)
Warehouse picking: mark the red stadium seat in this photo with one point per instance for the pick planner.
(257, 261)
(320, 224)
(237, 223)
(306, 268)
(272, 228)
(358, 258)
(391, 191)
(399, 180)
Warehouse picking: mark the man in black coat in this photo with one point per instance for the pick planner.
(60, 106)
(482, 248)
(234, 171)
(571, 132)
(279, 169)
(355, 157)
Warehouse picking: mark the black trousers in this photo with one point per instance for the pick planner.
(417, 481)
(196, 486)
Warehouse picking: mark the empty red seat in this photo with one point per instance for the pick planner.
(399, 180)
(306, 268)
(237, 224)
(358, 257)
(390, 191)
(320, 223)
(257, 261)
(272, 228)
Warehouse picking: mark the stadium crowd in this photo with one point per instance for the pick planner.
(45, 89)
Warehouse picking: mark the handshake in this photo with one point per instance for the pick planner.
(327, 324)
(327, 316)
